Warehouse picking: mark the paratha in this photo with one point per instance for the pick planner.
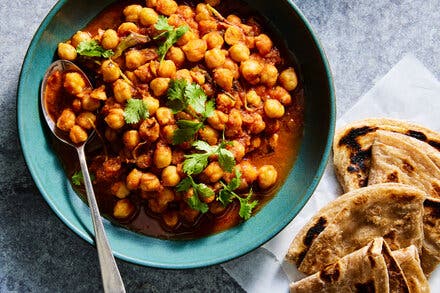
(372, 268)
(392, 211)
(352, 147)
(409, 262)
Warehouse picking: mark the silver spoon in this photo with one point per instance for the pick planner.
(111, 279)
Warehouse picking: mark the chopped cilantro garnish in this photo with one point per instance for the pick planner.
(135, 110)
(93, 49)
(200, 189)
(170, 34)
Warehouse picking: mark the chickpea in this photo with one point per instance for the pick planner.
(209, 134)
(127, 28)
(213, 2)
(248, 172)
(176, 55)
(282, 95)
(234, 35)
(170, 176)
(232, 66)
(131, 139)
(144, 161)
(218, 120)
(273, 108)
(167, 68)
(122, 91)
(131, 12)
(74, 83)
(164, 116)
(66, 120)
(213, 40)
(159, 86)
(80, 37)
(90, 104)
(120, 190)
(110, 71)
(184, 74)
(148, 17)
(188, 36)
(269, 75)
(86, 120)
(252, 98)
(77, 134)
(149, 182)
(264, 44)
(237, 149)
(251, 70)
(171, 218)
(232, 18)
(134, 59)
(151, 3)
(267, 176)
(224, 102)
(195, 50)
(198, 75)
(214, 58)
(162, 156)
(224, 78)
(133, 179)
(115, 118)
(66, 51)
(168, 132)
(258, 125)
(110, 39)
(149, 129)
(239, 52)
(166, 7)
(213, 172)
(123, 208)
(288, 79)
(99, 93)
(208, 25)
(151, 103)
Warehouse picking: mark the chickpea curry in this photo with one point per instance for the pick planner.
(198, 114)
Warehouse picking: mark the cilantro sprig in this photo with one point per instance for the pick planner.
(78, 178)
(91, 48)
(199, 189)
(189, 97)
(197, 162)
(135, 110)
(227, 195)
(169, 33)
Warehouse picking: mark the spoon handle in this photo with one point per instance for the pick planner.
(111, 279)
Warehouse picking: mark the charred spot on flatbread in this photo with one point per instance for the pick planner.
(311, 234)
(351, 138)
(331, 273)
(407, 166)
(434, 144)
(431, 209)
(393, 177)
(367, 287)
(435, 188)
(417, 135)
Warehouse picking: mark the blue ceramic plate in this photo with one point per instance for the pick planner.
(66, 18)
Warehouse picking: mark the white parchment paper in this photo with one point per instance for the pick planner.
(409, 92)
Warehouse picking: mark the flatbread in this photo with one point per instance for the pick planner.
(352, 147)
(402, 159)
(369, 269)
(409, 262)
(392, 211)
(430, 256)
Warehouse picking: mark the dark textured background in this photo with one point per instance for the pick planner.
(363, 40)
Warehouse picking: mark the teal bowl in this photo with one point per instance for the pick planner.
(68, 16)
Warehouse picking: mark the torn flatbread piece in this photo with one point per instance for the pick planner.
(372, 268)
(399, 158)
(392, 211)
(352, 147)
(409, 262)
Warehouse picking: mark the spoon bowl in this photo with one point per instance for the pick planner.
(111, 278)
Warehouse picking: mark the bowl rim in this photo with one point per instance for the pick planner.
(89, 238)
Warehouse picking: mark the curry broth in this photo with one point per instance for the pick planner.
(146, 222)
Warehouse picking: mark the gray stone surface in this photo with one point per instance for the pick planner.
(363, 40)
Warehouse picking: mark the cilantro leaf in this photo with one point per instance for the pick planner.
(78, 178)
(184, 185)
(93, 49)
(226, 159)
(209, 109)
(198, 190)
(186, 131)
(195, 163)
(196, 97)
(246, 206)
(204, 146)
(135, 110)
(176, 95)
(171, 35)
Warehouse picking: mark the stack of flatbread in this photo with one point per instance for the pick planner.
(383, 234)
